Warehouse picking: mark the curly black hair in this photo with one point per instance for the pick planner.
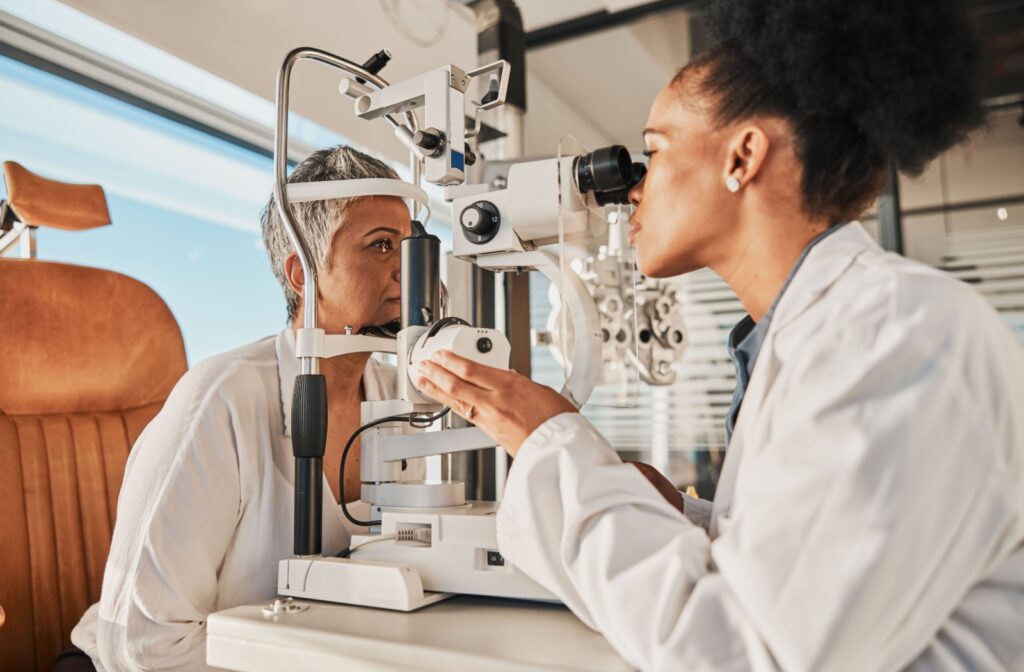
(864, 85)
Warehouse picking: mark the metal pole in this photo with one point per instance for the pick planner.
(309, 364)
(500, 35)
(890, 222)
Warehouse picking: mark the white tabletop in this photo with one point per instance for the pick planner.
(465, 632)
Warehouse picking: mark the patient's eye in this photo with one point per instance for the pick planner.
(383, 245)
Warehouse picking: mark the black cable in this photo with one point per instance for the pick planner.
(424, 421)
(418, 421)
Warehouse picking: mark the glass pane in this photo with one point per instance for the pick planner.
(185, 206)
(981, 246)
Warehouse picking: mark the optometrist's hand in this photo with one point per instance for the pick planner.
(504, 404)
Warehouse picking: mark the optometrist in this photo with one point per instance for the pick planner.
(870, 512)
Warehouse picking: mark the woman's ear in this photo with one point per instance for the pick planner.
(746, 154)
(293, 271)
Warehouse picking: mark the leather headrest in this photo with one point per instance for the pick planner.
(42, 202)
(76, 339)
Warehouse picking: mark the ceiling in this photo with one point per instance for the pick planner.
(597, 87)
(543, 13)
(610, 78)
(605, 80)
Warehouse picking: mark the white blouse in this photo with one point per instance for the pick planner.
(205, 510)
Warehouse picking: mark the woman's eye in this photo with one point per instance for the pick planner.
(648, 153)
(383, 245)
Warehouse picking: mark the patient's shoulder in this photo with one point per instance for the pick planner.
(216, 413)
(231, 382)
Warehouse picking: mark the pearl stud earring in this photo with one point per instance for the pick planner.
(732, 184)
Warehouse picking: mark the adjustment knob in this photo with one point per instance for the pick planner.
(431, 140)
(480, 222)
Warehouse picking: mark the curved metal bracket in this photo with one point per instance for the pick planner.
(309, 364)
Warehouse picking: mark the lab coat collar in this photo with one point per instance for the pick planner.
(288, 367)
(825, 263)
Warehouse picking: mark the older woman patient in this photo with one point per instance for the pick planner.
(205, 512)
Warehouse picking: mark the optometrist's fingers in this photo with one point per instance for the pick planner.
(451, 386)
(486, 377)
(424, 385)
(460, 408)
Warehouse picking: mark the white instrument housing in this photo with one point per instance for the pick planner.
(489, 347)
(461, 556)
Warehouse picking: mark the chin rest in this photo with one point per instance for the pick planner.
(38, 201)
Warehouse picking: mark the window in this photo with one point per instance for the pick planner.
(984, 247)
(185, 202)
(965, 215)
(184, 205)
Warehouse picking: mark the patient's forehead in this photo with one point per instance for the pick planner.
(367, 214)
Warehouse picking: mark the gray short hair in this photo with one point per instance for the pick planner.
(317, 220)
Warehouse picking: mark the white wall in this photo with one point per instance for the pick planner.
(610, 78)
(549, 118)
(991, 165)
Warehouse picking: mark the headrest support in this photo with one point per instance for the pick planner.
(326, 190)
(77, 340)
(38, 201)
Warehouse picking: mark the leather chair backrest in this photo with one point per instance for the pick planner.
(87, 358)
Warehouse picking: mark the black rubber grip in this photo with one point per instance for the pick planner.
(309, 415)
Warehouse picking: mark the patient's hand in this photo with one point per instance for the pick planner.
(662, 484)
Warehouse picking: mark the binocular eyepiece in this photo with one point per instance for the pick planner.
(609, 173)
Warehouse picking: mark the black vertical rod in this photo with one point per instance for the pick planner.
(478, 465)
(890, 222)
(309, 489)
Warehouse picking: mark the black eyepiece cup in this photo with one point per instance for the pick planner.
(604, 169)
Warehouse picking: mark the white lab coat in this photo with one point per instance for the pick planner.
(870, 513)
(205, 511)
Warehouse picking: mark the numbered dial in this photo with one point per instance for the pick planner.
(480, 222)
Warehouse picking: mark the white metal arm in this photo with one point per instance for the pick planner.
(410, 446)
(317, 343)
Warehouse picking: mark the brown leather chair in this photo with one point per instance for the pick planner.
(87, 358)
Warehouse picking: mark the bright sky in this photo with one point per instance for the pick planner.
(185, 206)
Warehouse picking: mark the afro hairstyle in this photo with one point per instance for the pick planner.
(864, 85)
